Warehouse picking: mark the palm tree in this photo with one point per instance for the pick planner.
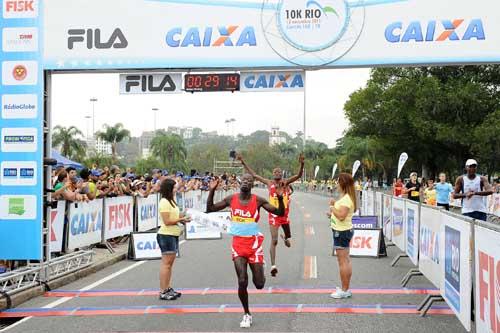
(170, 149)
(113, 135)
(69, 142)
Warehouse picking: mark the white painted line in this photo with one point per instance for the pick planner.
(314, 268)
(312, 231)
(87, 288)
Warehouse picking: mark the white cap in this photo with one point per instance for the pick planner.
(470, 162)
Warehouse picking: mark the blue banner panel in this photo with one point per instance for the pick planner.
(21, 130)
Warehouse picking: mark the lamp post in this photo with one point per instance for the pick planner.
(87, 121)
(155, 110)
(93, 100)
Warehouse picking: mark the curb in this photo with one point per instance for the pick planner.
(28, 294)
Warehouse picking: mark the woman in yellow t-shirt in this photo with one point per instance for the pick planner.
(341, 213)
(168, 237)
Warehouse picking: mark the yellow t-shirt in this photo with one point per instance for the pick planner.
(171, 230)
(338, 225)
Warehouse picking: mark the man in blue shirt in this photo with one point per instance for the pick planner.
(443, 190)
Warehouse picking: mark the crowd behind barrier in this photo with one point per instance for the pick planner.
(455, 253)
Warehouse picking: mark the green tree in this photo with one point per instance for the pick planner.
(146, 165)
(67, 139)
(170, 150)
(114, 135)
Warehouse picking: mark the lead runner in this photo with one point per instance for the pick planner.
(275, 222)
(247, 238)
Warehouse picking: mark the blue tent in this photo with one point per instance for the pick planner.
(61, 160)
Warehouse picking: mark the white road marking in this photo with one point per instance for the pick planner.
(89, 287)
(314, 268)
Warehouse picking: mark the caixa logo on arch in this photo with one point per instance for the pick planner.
(232, 35)
(435, 31)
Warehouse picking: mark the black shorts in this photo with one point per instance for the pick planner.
(168, 244)
(446, 206)
(342, 239)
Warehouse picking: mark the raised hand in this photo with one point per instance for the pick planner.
(301, 158)
(214, 183)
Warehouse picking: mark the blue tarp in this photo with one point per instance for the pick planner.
(66, 162)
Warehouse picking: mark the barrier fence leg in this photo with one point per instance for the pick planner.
(432, 299)
(411, 273)
(399, 256)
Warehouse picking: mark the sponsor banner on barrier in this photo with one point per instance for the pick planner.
(456, 283)
(378, 205)
(57, 227)
(147, 213)
(412, 231)
(430, 262)
(487, 281)
(145, 246)
(387, 216)
(119, 216)
(272, 81)
(366, 243)
(150, 83)
(85, 223)
(365, 222)
(398, 223)
(494, 204)
(202, 226)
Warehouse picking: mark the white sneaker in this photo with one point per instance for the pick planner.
(246, 322)
(339, 294)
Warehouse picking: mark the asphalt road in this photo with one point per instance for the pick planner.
(207, 264)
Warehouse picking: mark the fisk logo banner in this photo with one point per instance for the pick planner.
(119, 216)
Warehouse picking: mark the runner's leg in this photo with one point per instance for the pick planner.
(274, 242)
(240, 265)
(288, 234)
(258, 276)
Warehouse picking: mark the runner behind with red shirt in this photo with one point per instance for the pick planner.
(247, 238)
(276, 222)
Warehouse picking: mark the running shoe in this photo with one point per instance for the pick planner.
(274, 271)
(288, 241)
(246, 322)
(176, 293)
(339, 294)
(168, 295)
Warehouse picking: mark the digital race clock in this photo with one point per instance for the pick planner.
(211, 82)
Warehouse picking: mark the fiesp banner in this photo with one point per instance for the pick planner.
(398, 223)
(430, 256)
(85, 223)
(57, 226)
(487, 261)
(147, 213)
(387, 215)
(119, 214)
(456, 276)
(412, 230)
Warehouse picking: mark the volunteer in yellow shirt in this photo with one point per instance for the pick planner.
(430, 193)
(168, 237)
(341, 213)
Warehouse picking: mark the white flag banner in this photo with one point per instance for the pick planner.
(316, 170)
(402, 160)
(334, 170)
(355, 167)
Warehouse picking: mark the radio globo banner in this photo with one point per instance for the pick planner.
(273, 34)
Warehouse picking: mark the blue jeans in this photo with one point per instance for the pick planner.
(168, 244)
(477, 215)
(342, 239)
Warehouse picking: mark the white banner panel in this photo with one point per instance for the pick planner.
(147, 213)
(370, 202)
(398, 223)
(85, 34)
(145, 246)
(150, 83)
(430, 263)
(57, 227)
(365, 243)
(119, 216)
(85, 223)
(494, 204)
(272, 81)
(456, 276)
(487, 260)
(412, 230)
(387, 216)
(202, 226)
(378, 205)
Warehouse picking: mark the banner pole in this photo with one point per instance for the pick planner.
(305, 111)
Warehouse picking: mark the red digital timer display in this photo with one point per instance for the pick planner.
(211, 82)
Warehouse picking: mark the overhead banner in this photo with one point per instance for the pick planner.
(272, 81)
(21, 130)
(57, 227)
(147, 213)
(398, 223)
(456, 277)
(85, 223)
(412, 230)
(150, 83)
(119, 216)
(430, 256)
(96, 34)
(487, 282)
